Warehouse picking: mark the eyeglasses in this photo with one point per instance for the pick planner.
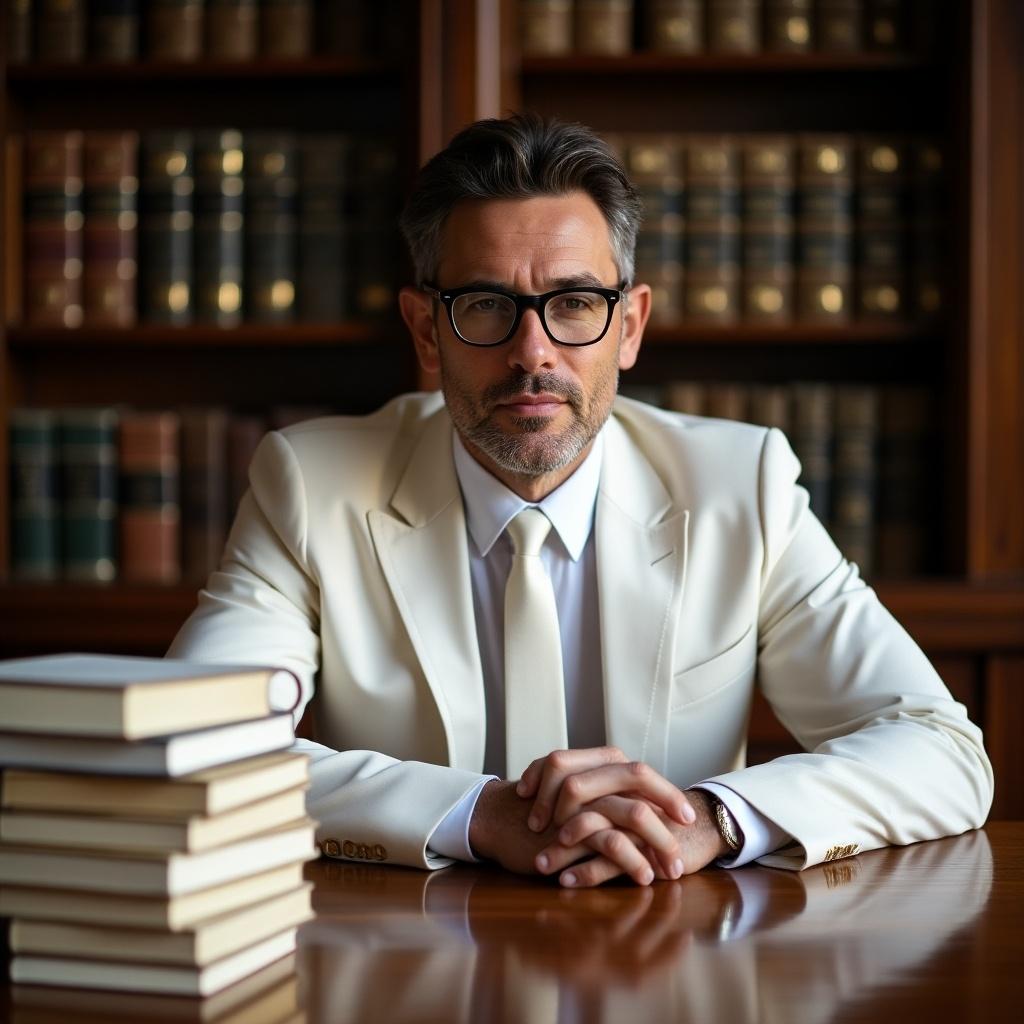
(569, 316)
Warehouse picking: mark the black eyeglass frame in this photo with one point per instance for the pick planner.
(447, 297)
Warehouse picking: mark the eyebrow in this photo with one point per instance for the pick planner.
(583, 280)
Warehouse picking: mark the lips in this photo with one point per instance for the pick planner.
(544, 404)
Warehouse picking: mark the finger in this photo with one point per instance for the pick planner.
(560, 765)
(618, 855)
(527, 784)
(634, 778)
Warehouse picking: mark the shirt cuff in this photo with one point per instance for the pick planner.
(760, 835)
(451, 837)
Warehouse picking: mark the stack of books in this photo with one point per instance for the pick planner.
(153, 826)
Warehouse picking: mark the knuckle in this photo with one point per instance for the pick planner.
(573, 786)
(639, 769)
(638, 815)
(616, 844)
(614, 754)
(559, 759)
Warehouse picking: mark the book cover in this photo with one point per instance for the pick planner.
(675, 26)
(60, 30)
(376, 236)
(734, 26)
(840, 25)
(19, 31)
(232, 29)
(887, 25)
(114, 30)
(244, 436)
(812, 434)
(928, 244)
(287, 27)
(545, 28)
(686, 396)
(727, 401)
(769, 406)
(881, 216)
(604, 27)
(204, 454)
(855, 474)
(33, 455)
(787, 26)
(174, 30)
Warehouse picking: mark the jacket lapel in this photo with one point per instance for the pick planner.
(641, 568)
(422, 547)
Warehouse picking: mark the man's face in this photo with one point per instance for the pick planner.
(528, 409)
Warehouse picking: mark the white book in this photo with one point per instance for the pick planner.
(172, 756)
(186, 981)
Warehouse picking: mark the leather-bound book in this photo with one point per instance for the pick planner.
(711, 209)
(166, 228)
(232, 29)
(343, 26)
(204, 491)
(675, 26)
(787, 26)
(734, 26)
(686, 396)
(114, 30)
(545, 27)
(928, 211)
(287, 27)
(377, 242)
(34, 495)
(840, 25)
(770, 406)
(53, 223)
(325, 235)
(60, 30)
(812, 407)
(855, 474)
(19, 31)
(906, 475)
(110, 201)
(150, 466)
(824, 229)
(727, 401)
(174, 29)
(219, 226)
(89, 502)
(769, 185)
(881, 229)
(244, 435)
(655, 166)
(604, 27)
(271, 174)
(887, 25)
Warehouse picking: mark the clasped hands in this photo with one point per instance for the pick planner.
(591, 815)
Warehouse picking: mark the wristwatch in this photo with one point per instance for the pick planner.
(725, 821)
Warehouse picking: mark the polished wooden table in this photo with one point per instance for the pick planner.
(930, 932)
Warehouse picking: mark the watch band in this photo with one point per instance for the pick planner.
(726, 822)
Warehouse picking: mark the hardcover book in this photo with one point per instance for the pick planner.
(19, 31)
(813, 430)
(881, 229)
(33, 453)
(855, 475)
(734, 26)
(675, 26)
(787, 26)
(60, 30)
(232, 29)
(840, 25)
(204, 453)
(174, 29)
(546, 27)
(604, 27)
(287, 27)
(114, 29)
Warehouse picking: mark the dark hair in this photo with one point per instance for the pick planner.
(520, 157)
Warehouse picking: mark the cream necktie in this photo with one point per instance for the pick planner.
(534, 691)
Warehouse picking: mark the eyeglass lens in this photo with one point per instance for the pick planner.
(573, 318)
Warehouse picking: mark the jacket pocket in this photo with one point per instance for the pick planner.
(736, 662)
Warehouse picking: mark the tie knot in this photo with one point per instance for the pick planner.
(528, 531)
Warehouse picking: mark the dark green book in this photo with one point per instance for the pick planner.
(881, 229)
(377, 242)
(34, 495)
(929, 206)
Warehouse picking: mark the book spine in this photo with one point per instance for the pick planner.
(88, 466)
(727, 401)
(150, 503)
(244, 436)
(343, 28)
(19, 31)
(204, 490)
(232, 29)
(887, 25)
(110, 240)
(686, 396)
(270, 226)
(813, 427)
(928, 223)
(824, 229)
(34, 495)
(53, 229)
(881, 230)
(325, 236)
(712, 215)
(375, 251)
(655, 165)
(604, 27)
(856, 474)
(734, 26)
(219, 227)
(174, 29)
(115, 26)
(545, 27)
(166, 228)
(787, 26)
(287, 28)
(675, 26)
(769, 186)
(60, 30)
(769, 407)
(840, 25)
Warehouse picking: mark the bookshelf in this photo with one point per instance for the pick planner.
(461, 59)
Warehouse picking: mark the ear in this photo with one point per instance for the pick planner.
(635, 314)
(418, 313)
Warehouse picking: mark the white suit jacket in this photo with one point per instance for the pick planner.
(348, 563)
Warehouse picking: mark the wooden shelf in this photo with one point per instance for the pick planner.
(724, 63)
(788, 334)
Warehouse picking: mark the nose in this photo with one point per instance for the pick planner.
(530, 349)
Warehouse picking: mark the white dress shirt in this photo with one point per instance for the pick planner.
(569, 557)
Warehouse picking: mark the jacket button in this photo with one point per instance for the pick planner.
(331, 847)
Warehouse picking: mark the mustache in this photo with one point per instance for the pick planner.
(534, 384)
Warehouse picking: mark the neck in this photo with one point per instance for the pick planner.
(531, 488)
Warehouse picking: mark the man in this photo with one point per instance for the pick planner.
(478, 701)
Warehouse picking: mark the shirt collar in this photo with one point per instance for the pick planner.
(491, 506)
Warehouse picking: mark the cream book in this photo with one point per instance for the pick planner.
(132, 698)
(210, 792)
(135, 977)
(200, 946)
(165, 756)
(193, 835)
(148, 874)
(171, 914)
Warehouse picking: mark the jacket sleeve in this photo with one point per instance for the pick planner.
(261, 606)
(891, 757)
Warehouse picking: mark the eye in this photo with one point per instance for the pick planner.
(483, 304)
